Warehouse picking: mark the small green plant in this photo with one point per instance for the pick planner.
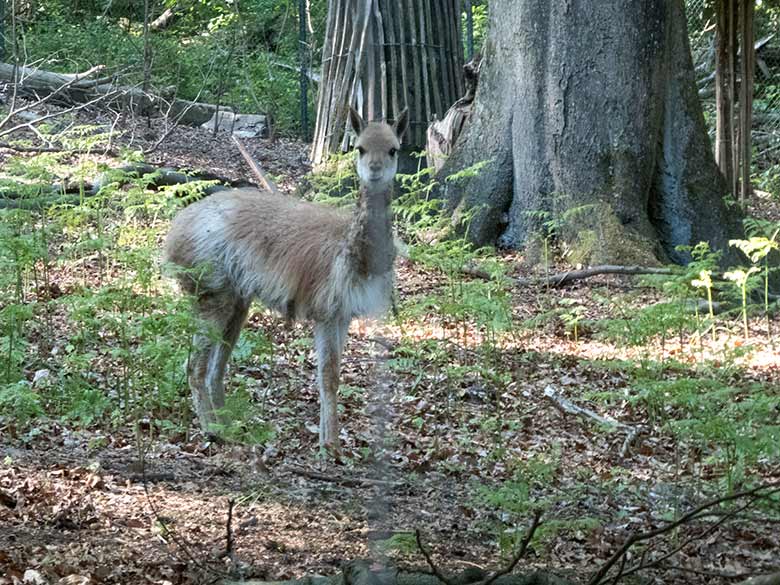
(758, 247)
(246, 424)
(402, 542)
(572, 316)
(20, 401)
(518, 499)
(741, 278)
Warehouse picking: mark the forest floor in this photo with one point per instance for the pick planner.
(470, 445)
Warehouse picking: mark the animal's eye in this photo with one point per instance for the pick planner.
(393, 151)
(361, 150)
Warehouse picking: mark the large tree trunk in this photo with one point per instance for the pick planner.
(589, 112)
(382, 56)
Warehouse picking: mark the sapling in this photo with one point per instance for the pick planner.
(741, 278)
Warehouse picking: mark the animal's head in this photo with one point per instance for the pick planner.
(377, 145)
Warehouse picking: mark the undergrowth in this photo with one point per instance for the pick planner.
(92, 335)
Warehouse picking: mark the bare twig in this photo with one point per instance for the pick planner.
(177, 119)
(255, 167)
(520, 551)
(437, 573)
(65, 85)
(76, 108)
(170, 531)
(642, 565)
(701, 511)
(345, 481)
(229, 529)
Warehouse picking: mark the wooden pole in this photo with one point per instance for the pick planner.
(747, 9)
(732, 66)
(724, 107)
(303, 51)
(382, 56)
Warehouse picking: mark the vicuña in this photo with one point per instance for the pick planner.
(304, 260)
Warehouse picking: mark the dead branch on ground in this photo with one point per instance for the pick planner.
(520, 551)
(568, 407)
(564, 278)
(353, 482)
(9, 72)
(77, 89)
(255, 167)
(427, 556)
(71, 192)
(702, 511)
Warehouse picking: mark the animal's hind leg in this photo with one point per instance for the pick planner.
(223, 317)
(329, 338)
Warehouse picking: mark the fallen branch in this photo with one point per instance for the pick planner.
(229, 530)
(58, 84)
(702, 511)
(255, 167)
(568, 407)
(359, 573)
(72, 192)
(352, 482)
(78, 89)
(563, 278)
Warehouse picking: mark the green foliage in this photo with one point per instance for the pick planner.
(517, 499)
(736, 426)
(648, 323)
(402, 542)
(246, 423)
(127, 336)
(479, 12)
(20, 401)
(212, 52)
(433, 244)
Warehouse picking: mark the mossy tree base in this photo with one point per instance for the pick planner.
(589, 116)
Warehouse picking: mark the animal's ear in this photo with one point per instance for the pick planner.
(401, 124)
(357, 122)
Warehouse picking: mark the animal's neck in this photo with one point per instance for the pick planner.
(370, 238)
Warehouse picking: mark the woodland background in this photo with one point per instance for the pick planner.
(606, 408)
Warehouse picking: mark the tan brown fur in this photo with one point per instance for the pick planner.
(304, 260)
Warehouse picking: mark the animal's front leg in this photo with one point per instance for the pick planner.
(329, 338)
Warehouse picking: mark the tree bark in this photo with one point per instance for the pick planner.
(589, 116)
(382, 56)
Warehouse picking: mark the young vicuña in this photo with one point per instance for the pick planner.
(304, 260)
